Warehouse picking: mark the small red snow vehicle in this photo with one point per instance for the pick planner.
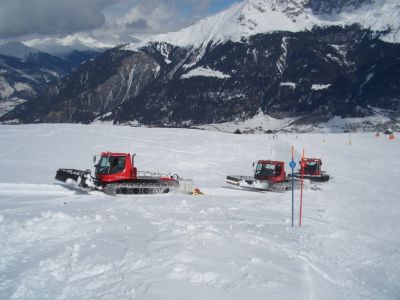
(312, 170)
(115, 173)
(269, 175)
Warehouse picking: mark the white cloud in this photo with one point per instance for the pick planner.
(50, 17)
(110, 21)
(144, 18)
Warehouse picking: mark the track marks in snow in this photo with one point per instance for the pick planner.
(185, 273)
(191, 245)
(7, 153)
(227, 244)
(69, 260)
(18, 189)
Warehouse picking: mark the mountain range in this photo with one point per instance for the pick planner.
(309, 59)
(26, 72)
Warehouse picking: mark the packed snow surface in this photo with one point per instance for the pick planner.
(56, 243)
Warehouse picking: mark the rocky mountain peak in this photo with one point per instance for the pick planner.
(290, 9)
(320, 7)
(252, 17)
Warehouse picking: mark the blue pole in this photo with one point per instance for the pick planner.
(292, 194)
(292, 164)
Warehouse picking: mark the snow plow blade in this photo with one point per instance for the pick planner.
(185, 186)
(312, 178)
(250, 183)
(70, 175)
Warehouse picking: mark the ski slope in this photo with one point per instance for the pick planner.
(56, 243)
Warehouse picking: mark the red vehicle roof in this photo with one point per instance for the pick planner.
(273, 162)
(312, 159)
(114, 154)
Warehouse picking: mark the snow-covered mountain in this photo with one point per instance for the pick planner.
(252, 17)
(67, 44)
(286, 58)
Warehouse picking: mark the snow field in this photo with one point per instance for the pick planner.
(261, 123)
(228, 244)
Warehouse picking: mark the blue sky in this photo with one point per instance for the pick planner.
(213, 6)
(220, 5)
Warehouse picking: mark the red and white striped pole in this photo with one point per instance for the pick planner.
(302, 165)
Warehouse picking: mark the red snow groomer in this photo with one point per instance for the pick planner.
(269, 175)
(312, 170)
(115, 173)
